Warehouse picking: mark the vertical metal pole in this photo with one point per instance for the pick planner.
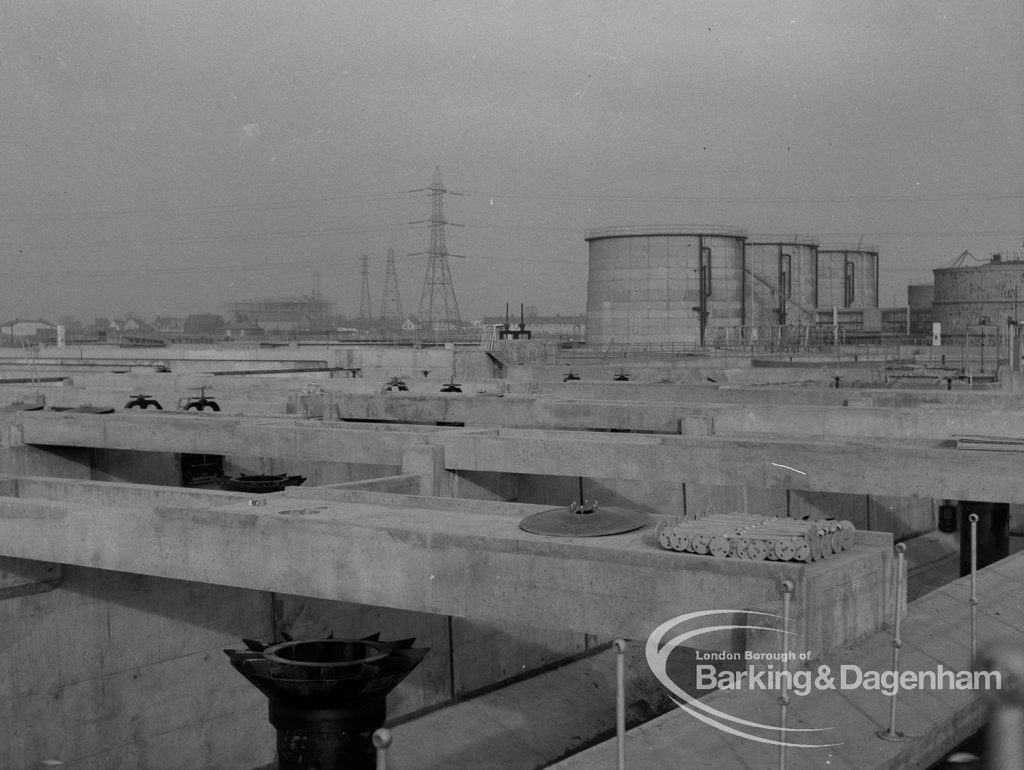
(973, 519)
(787, 592)
(381, 742)
(619, 645)
(891, 734)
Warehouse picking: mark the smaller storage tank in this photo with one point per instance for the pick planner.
(847, 276)
(781, 280)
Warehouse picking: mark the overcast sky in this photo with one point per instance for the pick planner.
(165, 157)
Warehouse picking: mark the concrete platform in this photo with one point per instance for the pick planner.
(449, 559)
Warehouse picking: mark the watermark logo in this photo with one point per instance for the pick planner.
(769, 671)
(659, 649)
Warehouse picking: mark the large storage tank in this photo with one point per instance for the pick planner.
(847, 276)
(982, 294)
(656, 284)
(782, 284)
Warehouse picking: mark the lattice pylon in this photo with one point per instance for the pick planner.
(438, 306)
(391, 302)
(364, 298)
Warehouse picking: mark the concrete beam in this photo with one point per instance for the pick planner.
(440, 561)
(928, 470)
(516, 411)
(690, 418)
(218, 434)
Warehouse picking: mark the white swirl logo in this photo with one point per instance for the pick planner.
(658, 651)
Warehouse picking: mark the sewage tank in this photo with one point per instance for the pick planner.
(663, 283)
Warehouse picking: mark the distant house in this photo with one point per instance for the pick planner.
(169, 324)
(21, 331)
(133, 324)
(243, 330)
(410, 324)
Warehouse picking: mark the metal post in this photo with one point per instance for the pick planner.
(973, 518)
(891, 734)
(787, 592)
(381, 742)
(619, 645)
(1004, 740)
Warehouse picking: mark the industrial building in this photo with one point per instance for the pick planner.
(920, 298)
(281, 314)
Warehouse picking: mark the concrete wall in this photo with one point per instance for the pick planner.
(111, 670)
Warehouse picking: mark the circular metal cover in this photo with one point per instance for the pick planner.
(563, 522)
(327, 653)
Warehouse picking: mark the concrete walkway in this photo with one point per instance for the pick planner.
(935, 631)
(528, 724)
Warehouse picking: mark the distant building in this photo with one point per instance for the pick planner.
(169, 324)
(133, 324)
(204, 325)
(20, 331)
(283, 314)
(243, 330)
(561, 326)
(920, 298)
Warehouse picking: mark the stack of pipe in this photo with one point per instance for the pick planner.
(745, 536)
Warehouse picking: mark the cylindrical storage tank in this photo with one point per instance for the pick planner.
(968, 296)
(781, 267)
(847, 276)
(663, 283)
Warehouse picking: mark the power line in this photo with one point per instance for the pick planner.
(132, 243)
(210, 209)
(256, 206)
(926, 198)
